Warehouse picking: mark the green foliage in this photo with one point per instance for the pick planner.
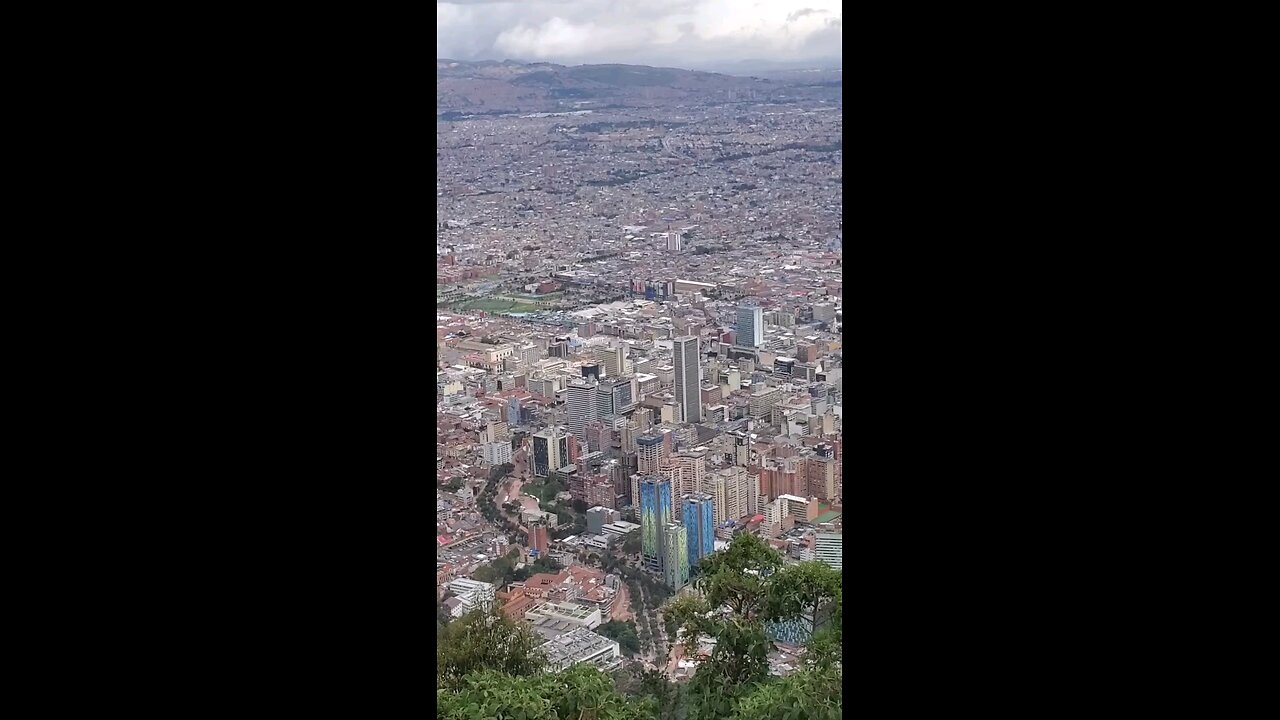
(500, 572)
(485, 640)
(811, 694)
(742, 588)
(498, 472)
(624, 633)
(579, 693)
(803, 589)
(738, 577)
(631, 544)
(542, 565)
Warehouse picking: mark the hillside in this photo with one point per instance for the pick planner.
(508, 86)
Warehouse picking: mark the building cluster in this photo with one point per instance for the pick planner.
(647, 311)
(733, 425)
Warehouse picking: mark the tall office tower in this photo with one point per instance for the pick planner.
(513, 412)
(604, 400)
(828, 548)
(675, 242)
(624, 394)
(580, 400)
(750, 326)
(687, 385)
(700, 526)
(655, 509)
(550, 451)
(675, 560)
(651, 452)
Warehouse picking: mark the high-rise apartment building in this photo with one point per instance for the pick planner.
(686, 382)
(820, 474)
(750, 331)
(580, 400)
(675, 560)
(550, 451)
(651, 451)
(734, 493)
(700, 526)
(655, 515)
(686, 472)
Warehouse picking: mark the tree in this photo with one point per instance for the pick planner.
(484, 639)
(734, 587)
(739, 576)
(578, 505)
(581, 693)
(811, 694)
(631, 544)
(500, 471)
(804, 590)
(624, 633)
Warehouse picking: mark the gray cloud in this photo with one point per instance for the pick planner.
(681, 33)
(801, 13)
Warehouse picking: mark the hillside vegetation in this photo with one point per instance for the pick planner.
(489, 667)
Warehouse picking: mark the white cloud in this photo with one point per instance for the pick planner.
(662, 32)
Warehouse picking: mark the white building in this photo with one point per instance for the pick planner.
(580, 399)
(578, 615)
(828, 548)
(577, 645)
(497, 453)
(471, 594)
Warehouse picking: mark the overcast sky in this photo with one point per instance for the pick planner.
(674, 33)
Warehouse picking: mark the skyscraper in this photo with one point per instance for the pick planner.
(580, 399)
(550, 451)
(513, 412)
(750, 326)
(687, 385)
(699, 524)
(675, 560)
(655, 515)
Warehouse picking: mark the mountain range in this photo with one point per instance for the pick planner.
(510, 86)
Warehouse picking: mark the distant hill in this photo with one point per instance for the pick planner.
(509, 86)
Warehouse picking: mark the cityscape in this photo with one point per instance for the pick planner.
(639, 386)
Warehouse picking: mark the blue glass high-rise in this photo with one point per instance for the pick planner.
(699, 522)
(655, 511)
